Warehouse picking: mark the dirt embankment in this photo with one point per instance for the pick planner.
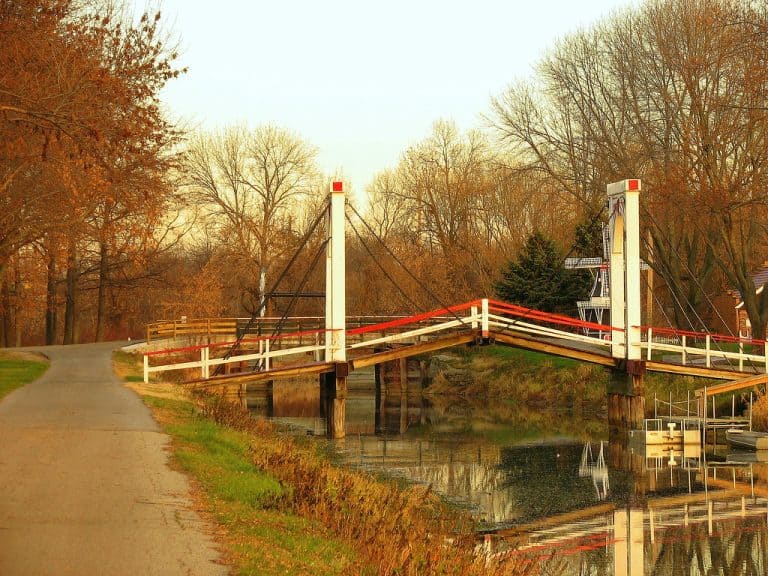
(22, 355)
(534, 384)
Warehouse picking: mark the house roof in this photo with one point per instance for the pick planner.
(759, 278)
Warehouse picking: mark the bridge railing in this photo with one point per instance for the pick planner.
(547, 325)
(365, 332)
(262, 351)
(480, 316)
(704, 349)
(402, 329)
(236, 327)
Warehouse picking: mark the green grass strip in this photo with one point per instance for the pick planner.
(263, 537)
(16, 371)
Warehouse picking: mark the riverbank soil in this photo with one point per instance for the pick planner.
(85, 483)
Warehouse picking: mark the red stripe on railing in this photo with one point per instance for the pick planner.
(413, 319)
(692, 334)
(532, 314)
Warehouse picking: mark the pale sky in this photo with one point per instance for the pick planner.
(360, 80)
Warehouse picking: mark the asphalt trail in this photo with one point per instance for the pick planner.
(85, 486)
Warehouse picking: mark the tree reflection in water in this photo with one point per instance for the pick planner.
(524, 473)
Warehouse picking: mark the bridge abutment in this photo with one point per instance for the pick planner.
(626, 395)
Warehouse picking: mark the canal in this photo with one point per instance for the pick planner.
(550, 484)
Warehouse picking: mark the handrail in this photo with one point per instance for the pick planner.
(162, 329)
(482, 314)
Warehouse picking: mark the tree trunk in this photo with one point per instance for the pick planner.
(262, 291)
(50, 300)
(70, 310)
(101, 308)
(15, 305)
(6, 338)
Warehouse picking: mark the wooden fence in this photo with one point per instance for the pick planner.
(186, 328)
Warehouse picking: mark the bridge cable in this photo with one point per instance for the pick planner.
(703, 291)
(698, 284)
(660, 306)
(377, 261)
(254, 316)
(686, 306)
(278, 327)
(683, 306)
(671, 324)
(407, 270)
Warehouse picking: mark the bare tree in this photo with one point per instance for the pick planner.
(388, 208)
(672, 92)
(252, 183)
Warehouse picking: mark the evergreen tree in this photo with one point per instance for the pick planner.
(539, 279)
(589, 239)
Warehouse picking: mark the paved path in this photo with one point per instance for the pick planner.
(85, 486)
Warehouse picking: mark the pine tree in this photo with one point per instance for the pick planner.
(539, 279)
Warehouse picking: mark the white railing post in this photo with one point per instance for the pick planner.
(650, 344)
(708, 348)
(204, 362)
(473, 312)
(741, 356)
(684, 344)
(484, 327)
(146, 369)
(266, 354)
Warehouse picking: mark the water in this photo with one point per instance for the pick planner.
(550, 485)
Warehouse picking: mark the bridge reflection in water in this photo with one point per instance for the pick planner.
(549, 486)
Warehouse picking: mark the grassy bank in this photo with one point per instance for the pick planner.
(520, 377)
(540, 380)
(283, 508)
(259, 534)
(19, 368)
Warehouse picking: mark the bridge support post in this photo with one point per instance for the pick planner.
(335, 273)
(626, 393)
(333, 387)
(403, 395)
(378, 423)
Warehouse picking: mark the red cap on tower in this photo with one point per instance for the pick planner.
(337, 186)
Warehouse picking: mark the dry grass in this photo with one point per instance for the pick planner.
(760, 413)
(398, 531)
(25, 356)
(386, 529)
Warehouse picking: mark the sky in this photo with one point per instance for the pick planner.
(361, 80)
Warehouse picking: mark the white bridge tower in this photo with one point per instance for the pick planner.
(626, 401)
